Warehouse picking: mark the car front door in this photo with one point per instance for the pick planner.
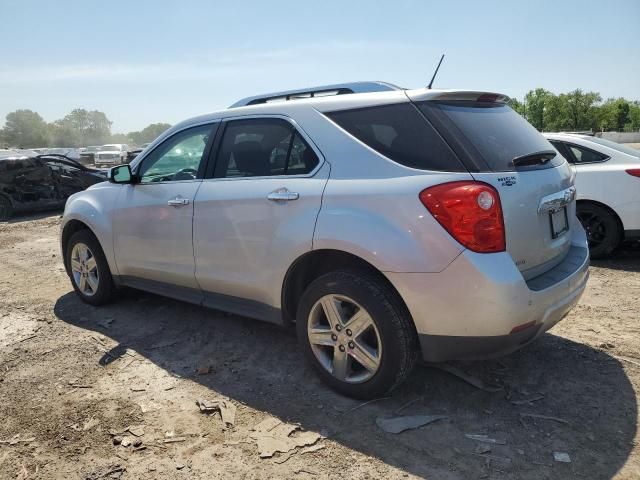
(29, 183)
(255, 214)
(153, 220)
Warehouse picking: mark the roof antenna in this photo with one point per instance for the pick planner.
(436, 72)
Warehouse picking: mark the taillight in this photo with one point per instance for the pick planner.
(470, 212)
(634, 171)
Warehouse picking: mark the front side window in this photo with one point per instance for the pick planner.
(177, 158)
(584, 155)
(263, 147)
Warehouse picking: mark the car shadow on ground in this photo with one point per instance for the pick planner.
(586, 391)
(626, 258)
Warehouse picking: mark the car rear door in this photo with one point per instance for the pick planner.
(67, 178)
(535, 185)
(152, 223)
(256, 214)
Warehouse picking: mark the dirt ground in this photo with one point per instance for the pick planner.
(73, 376)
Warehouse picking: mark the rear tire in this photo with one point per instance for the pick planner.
(373, 358)
(88, 269)
(6, 209)
(603, 229)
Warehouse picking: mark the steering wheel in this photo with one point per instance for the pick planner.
(185, 174)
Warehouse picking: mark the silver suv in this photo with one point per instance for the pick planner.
(385, 223)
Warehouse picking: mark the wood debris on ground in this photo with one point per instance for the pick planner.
(272, 435)
(226, 408)
(400, 424)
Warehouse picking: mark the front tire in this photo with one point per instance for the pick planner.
(88, 269)
(602, 227)
(357, 333)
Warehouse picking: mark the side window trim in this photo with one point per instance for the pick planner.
(296, 130)
(581, 147)
(206, 153)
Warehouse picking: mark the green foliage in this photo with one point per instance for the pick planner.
(577, 111)
(535, 102)
(148, 134)
(24, 128)
(79, 128)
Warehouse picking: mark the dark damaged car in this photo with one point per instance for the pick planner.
(30, 183)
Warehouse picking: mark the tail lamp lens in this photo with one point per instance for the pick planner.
(634, 171)
(470, 211)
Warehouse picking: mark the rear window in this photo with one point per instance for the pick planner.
(491, 132)
(400, 133)
(616, 146)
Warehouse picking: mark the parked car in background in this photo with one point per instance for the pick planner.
(87, 155)
(386, 225)
(29, 183)
(608, 185)
(111, 154)
(134, 152)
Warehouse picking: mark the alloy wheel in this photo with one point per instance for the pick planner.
(84, 269)
(595, 227)
(344, 339)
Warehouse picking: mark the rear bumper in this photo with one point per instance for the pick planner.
(470, 309)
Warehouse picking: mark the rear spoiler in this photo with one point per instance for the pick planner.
(457, 95)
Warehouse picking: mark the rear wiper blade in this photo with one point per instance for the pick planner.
(535, 158)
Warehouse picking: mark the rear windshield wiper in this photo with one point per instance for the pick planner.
(536, 158)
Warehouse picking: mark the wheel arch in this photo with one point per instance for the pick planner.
(69, 228)
(614, 214)
(309, 266)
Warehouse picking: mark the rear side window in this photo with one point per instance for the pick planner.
(263, 147)
(491, 134)
(585, 155)
(400, 133)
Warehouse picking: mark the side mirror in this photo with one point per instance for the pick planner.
(121, 174)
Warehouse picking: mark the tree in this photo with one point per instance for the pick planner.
(25, 129)
(518, 106)
(634, 116)
(120, 138)
(536, 103)
(149, 133)
(80, 128)
(580, 109)
(622, 115)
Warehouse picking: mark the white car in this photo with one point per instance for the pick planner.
(113, 154)
(608, 184)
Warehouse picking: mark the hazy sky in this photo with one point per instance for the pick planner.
(159, 61)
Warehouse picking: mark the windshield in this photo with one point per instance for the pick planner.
(492, 131)
(110, 148)
(92, 149)
(615, 146)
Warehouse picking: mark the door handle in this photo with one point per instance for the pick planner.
(282, 194)
(178, 201)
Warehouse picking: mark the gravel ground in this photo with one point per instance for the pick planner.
(73, 377)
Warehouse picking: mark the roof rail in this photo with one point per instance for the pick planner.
(323, 91)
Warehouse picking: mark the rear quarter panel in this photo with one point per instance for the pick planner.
(608, 183)
(383, 222)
